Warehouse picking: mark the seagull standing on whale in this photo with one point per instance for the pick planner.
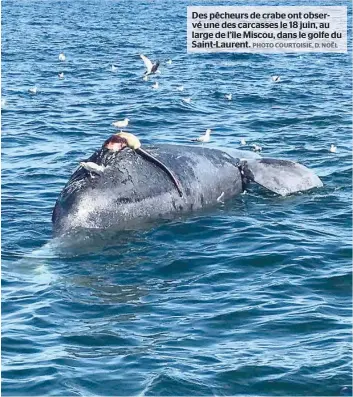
(92, 167)
(151, 68)
(121, 123)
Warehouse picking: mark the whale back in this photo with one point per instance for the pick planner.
(132, 189)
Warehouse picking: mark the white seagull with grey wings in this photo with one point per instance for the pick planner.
(204, 138)
(92, 167)
(151, 67)
(121, 123)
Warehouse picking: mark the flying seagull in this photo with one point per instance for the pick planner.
(151, 67)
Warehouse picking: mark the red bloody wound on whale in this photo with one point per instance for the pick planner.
(115, 143)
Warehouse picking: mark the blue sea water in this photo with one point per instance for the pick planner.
(252, 297)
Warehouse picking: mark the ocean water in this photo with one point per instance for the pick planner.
(252, 297)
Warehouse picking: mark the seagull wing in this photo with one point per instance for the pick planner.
(147, 63)
(155, 67)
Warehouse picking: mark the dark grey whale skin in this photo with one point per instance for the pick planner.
(131, 189)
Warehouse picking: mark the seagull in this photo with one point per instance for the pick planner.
(180, 88)
(151, 67)
(275, 79)
(3, 102)
(113, 68)
(121, 123)
(204, 138)
(92, 167)
(256, 148)
(155, 85)
(62, 57)
(169, 62)
(333, 148)
(243, 141)
(228, 96)
(61, 75)
(187, 100)
(33, 90)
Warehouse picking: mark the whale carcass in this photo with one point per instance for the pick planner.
(133, 189)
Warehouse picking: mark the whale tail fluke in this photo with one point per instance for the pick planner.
(283, 177)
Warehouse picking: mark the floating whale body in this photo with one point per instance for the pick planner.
(179, 179)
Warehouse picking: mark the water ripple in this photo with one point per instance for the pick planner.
(252, 297)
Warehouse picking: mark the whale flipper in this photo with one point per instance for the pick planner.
(280, 176)
(159, 164)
